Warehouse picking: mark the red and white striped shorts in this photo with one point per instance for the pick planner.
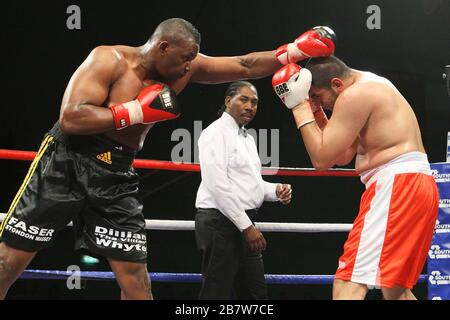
(391, 235)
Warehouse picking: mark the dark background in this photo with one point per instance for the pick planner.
(40, 54)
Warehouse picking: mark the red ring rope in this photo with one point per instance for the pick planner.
(168, 165)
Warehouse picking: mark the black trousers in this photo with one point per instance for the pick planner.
(229, 269)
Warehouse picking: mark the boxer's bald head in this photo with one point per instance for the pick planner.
(174, 44)
(176, 29)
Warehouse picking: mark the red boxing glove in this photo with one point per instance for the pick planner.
(317, 42)
(156, 102)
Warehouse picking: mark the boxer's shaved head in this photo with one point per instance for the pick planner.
(176, 29)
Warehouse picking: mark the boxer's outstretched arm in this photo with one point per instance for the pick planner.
(327, 147)
(206, 69)
(81, 108)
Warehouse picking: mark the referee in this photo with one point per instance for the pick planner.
(228, 199)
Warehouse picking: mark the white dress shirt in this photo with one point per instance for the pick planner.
(231, 172)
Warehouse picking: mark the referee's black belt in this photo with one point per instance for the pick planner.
(251, 212)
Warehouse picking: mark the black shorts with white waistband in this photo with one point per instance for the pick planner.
(85, 179)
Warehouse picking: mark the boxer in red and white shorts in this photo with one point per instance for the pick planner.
(372, 120)
(391, 235)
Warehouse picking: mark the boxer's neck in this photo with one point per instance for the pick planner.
(146, 62)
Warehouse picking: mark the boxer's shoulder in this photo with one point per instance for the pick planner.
(362, 91)
(115, 56)
(372, 82)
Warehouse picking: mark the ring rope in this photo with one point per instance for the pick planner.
(188, 225)
(194, 167)
(180, 277)
(262, 226)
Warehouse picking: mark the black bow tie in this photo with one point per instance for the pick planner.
(243, 131)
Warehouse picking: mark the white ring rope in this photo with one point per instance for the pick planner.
(186, 225)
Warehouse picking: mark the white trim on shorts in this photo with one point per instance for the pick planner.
(366, 267)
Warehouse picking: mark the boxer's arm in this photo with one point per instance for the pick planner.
(81, 111)
(206, 69)
(348, 155)
(320, 117)
(322, 120)
(350, 113)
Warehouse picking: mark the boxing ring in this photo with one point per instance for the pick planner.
(178, 225)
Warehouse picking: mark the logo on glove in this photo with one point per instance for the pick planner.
(167, 101)
(281, 89)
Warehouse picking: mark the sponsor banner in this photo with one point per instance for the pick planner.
(441, 227)
(436, 252)
(448, 141)
(439, 252)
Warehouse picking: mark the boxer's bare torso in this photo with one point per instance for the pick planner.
(391, 128)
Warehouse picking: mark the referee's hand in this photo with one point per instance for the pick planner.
(255, 239)
(284, 193)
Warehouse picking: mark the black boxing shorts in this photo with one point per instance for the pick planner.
(85, 179)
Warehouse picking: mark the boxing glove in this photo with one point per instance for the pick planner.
(317, 42)
(292, 83)
(156, 102)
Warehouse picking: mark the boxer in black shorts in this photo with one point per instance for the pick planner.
(83, 170)
(88, 180)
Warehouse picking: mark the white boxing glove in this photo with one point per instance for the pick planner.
(292, 83)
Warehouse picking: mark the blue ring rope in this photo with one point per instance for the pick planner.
(180, 277)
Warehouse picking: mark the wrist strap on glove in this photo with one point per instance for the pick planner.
(304, 123)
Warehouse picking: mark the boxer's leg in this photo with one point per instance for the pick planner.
(12, 264)
(44, 204)
(112, 223)
(347, 290)
(398, 293)
(133, 279)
